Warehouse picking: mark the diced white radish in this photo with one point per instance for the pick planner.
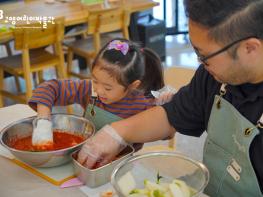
(138, 195)
(184, 188)
(175, 190)
(154, 186)
(126, 183)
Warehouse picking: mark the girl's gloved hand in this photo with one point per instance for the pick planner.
(164, 95)
(101, 148)
(42, 136)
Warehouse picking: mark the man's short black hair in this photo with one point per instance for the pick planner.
(227, 20)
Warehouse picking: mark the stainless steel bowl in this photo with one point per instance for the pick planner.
(169, 165)
(99, 176)
(23, 128)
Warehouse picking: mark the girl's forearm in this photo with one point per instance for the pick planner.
(43, 111)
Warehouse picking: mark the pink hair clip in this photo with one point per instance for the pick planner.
(119, 45)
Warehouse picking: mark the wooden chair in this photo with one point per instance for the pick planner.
(99, 22)
(32, 40)
(177, 77)
(6, 43)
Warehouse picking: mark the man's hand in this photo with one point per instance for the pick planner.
(102, 148)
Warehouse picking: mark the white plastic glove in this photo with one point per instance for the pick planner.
(42, 136)
(164, 95)
(101, 148)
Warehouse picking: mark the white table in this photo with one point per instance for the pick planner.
(17, 182)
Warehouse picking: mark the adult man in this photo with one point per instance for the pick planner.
(225, 98)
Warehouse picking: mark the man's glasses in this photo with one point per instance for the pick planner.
(203, 59)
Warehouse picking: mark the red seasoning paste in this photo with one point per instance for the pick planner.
(61, 140)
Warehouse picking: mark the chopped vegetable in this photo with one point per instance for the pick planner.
(158, 178)
(176, 188)
(126, 183)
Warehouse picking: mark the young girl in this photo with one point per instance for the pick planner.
(123, 74)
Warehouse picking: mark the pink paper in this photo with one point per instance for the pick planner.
(71, 183)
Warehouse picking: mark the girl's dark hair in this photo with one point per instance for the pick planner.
(137, 64)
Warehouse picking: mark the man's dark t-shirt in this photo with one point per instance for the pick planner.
(190, 108)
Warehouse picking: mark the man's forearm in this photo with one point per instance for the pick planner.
(147, 126)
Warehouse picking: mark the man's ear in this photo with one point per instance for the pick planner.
(135, 84)
(252, 45)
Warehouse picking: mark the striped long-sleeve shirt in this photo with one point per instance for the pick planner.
(64, 92)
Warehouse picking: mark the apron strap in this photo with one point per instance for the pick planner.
(223, 89)
(222, 93)
(93, 99)
(260, 122)
(218, 104)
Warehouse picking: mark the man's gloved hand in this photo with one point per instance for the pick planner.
(42, 136)
(101, 148)
(164, 95)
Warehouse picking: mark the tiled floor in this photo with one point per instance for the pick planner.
(178, 53)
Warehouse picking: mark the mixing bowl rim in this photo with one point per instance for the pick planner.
(4, 130)
(161, 153)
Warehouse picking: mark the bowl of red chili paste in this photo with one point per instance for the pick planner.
(70, 132)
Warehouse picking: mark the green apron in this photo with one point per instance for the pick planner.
(101, 117)
(226, 152)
